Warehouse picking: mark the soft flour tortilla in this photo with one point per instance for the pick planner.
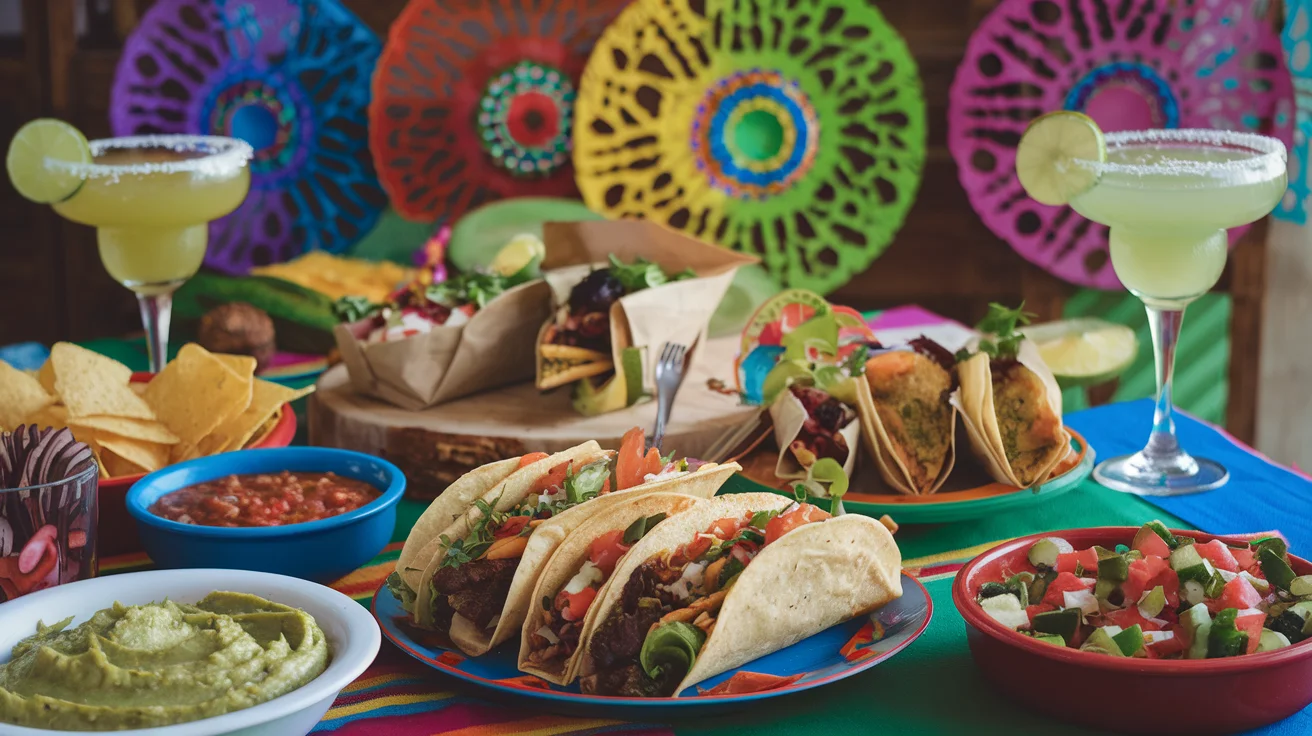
(813, 577)
(974, 399)
(571, 555)
(882, 448)
(444, 511)
(545, 539)
(789, 415)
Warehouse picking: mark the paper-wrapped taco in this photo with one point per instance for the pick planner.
(1010, 403)
(443, 337)
(479, 571)
(576, 575)
(725, 582)
(629, 284)
(809, 425)
(907, 419)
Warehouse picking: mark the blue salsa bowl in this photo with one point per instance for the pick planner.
(322, 550)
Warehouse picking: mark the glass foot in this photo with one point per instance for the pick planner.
(1176, 475)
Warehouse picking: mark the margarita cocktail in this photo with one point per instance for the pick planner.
(150, 198)
(1168, 197)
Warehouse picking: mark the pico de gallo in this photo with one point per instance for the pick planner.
(267, 499)
(1161, 597)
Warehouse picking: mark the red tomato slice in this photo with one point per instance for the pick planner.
(576, 605)
(553, 479)
(630, 464)
(1245, 559)
(512, 526)
(1146, 574)
(1167, 647)
(726, 528)
(696, 547)
(652, 464)
(784, 523)
(607, 549)
(1063, 583)
(1219, 555)
(1154, 546)
(1251, 624)
(1238, 593)
(532, 457)
(1087, 558)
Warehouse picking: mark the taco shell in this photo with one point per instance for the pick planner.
(570, 556)
(812, 578)
(974, 398)
(882, 447)
(789, 415)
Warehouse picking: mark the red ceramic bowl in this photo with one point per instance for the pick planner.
(1195, 697)
(117, 532)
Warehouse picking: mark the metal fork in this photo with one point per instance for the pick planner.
(669, 375)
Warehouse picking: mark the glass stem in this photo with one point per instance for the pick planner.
(156, 312)
(1165, 325)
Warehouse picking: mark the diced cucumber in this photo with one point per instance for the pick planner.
(1275, 568)
(1197, 623)
(1112, 566)
(1152, 602)
(1215, 585)
(1193, 592)
(1052, 639)
(1101, 642)
(1272, 640)
(1275, 544)
(1044, 552)
(989, 590)
(1130, 640)
(1185, 557)
(1224, 640)
(1158, 528)
(1300, 586)
(1006, 610)
(1062, 622)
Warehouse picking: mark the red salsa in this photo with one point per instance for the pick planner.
(272, 499)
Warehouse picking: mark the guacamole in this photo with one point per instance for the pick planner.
(160, 664)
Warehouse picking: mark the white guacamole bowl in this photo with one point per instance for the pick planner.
(353, 639)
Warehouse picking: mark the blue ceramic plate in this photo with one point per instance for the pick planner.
(834, 654)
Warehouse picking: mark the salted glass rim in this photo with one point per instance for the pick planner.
(223, 155)
(1265, 150)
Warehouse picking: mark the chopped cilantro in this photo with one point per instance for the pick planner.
(643, 274)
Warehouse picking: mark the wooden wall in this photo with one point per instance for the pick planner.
(944, 258)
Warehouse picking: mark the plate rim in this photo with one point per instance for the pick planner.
(670, 702)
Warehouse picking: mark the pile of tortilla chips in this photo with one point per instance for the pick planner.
(200, 404)
(338, 276)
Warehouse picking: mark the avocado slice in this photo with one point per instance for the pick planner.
(1052, 639)
(1301, 586)
(1130, 640)
(1152, 602)
(1275, 568)
(1197, 623)
(1061, 623)
(1112, 566)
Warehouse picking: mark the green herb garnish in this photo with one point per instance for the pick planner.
(354, 308)
(1001, 327)
(643, 274)
(587, 482)
(640, 526)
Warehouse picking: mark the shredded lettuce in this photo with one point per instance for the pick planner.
(401, 591)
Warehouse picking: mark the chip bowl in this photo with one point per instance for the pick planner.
(1121, 694)
(322, 550)
(118, 535)
(353, 639)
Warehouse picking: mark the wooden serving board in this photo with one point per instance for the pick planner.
(437, 445)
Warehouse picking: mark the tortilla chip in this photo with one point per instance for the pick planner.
(139, 388)
(92, 384)
(242, 365)
(54, 416)
(266, 400)
(145, 455)
(114, 466)
(137, 429)
(183, 451)
(46, 376)
(20, 395)
(197, 393)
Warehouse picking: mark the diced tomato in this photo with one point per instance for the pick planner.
(1245, 559)
(1219, 555)
(727, 527)
(1087, 558)
(1064, 582)
(1127, 617)
(553, 479)
(1166, 647)
(1154, 546)
(784, 523)
(532, 457)
(607, 549)
(512, 526)
(575, 607)
(1148, 573)
(1038, 608)
(1238, 593)
(1251, 623)
(631, 463)
(696, 547)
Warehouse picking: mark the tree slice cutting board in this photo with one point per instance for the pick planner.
(437, 445)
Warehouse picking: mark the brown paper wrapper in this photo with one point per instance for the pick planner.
(789, 415)
(676, 312)
(494, 348)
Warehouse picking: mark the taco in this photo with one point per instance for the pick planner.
(481, 569)
(811, 424)
(907, 420)
(1010, 403)
(730, 580)
(577, 574)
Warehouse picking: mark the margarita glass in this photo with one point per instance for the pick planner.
(150, 198)
(1168, 197)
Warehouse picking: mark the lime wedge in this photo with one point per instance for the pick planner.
(1085, 352)
(1048, 155)
(32, 145)
(520, 253)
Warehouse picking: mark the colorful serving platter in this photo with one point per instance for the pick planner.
(957, 501)
(837, 653)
